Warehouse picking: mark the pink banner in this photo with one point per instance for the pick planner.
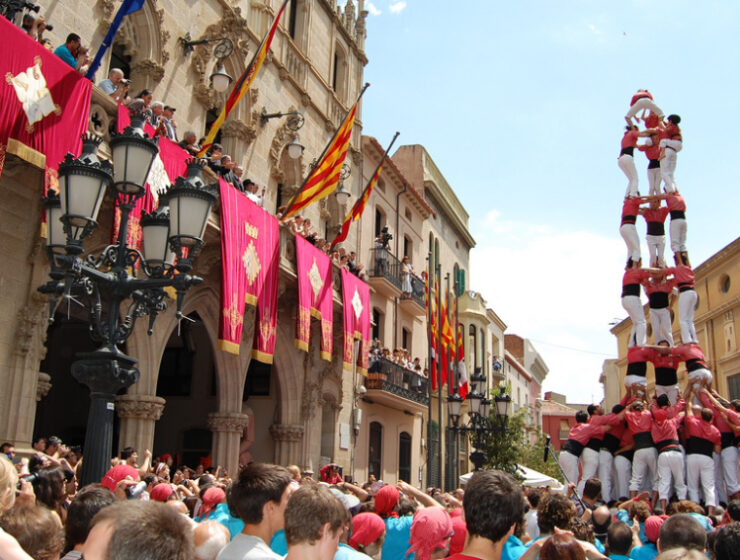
(250, 259)
(356, 302)
(315, 296)
(44, 102)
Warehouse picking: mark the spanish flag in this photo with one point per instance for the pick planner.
(324, 178)
(361, 202)
(242, 84)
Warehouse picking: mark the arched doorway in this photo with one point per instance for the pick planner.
(374, 453)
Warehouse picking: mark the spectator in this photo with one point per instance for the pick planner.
(649, 550)
(34, 26)
(170, 126)
(727, 542)
(86, 504)
(139, 530)
(8, 481)
(115, 85)
(555, 510)
(48, 485)
(733, 510)
(330, 474)
(37, 530)
(681, 553)
(214, 158)
(145, 96)
(39, 444)
(619, 541)
(534, 495)
(601, 520)
(209, 538)
(157, 108)
(314, 521)
(681, 530)
(69, 50)
(431, 531)
(493, 504)
(258, 498)
(562, 546)
(368, 533)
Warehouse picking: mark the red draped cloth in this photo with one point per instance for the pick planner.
(46, 104)
(315, 296)
(356, 302)
(250, 260)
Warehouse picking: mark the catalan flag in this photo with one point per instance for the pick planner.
(462, 372)
(242, 84)
(432, 304)
(324, 178)
(361, 202)
(447, 342)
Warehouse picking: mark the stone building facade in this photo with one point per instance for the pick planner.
(716, 321)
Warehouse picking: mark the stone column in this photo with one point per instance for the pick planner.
(138, 414)
(227, 428)
(288, 439)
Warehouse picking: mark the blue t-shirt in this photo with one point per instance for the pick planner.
(513, 549)
(278, 543)
(221, 514)
(645, 552)
(346, 552)
(397, 537)
(619, 557)
(623, 515)
(63, 52)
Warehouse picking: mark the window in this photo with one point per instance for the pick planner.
(378, 221)
(293, 19)
(119, 59)
(211, 117)
(374, 452)
(339, 76)
(724, 284)
(733, 384)
(404, 457)
(407, 246)
(471, 358)
(176, 368)
(377, 322)
(406, 339)
(730, 343)
(327, 431)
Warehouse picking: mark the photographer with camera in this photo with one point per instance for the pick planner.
(115, 84)
(34, 25)
(381, 251)
(72, 52)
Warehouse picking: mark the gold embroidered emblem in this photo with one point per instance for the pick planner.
(251, 262)
(314, 277)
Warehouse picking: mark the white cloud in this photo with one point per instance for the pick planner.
(374, 11)
(559, 288)
(595, 30)
(397, 7)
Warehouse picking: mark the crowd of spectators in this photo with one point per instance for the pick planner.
(400, 356)
(155, 510)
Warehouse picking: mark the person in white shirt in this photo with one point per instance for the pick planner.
(259, 497)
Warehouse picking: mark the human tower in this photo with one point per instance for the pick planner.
(681, 444)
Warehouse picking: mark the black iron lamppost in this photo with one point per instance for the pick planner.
(120, 284)
(481, 425)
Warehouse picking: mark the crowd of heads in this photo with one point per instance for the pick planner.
(380, 355)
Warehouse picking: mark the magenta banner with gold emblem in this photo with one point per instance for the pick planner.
(315, 295)
(356, 302)
(250, 253)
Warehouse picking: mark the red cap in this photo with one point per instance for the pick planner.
(367, 527)
(117, 474)
(652, 528)
(386, 499)
(161, 492)
(430, 531)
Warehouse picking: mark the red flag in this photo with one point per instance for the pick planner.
(447, 343)
(44, 102)
(461, 369)
(315, 296)
(356, 302)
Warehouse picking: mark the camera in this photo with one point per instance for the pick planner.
(31, 7)
(134, 491)
(31, 478)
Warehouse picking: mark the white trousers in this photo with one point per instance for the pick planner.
(654, 180)
(589, 467)
(660, 319)
(569, 464)
(678, 229)
(670, 469)
(606, 470)
(644, 469)
(670, 390)
(622, 475)
(700, 471)
(729, 459)
(668, 163)
(629, 234)
(686, 309)
(627, 164)
(633, 306)
(656, 248)
(645, 103)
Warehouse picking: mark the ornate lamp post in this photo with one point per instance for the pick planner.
(109, 285)
(481, 425)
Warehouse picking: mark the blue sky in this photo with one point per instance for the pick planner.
(521, 106)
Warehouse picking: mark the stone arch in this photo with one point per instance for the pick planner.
(286, 174)
(143, 36)
(288, 366)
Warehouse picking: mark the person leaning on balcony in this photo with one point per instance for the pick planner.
(115, 85)
(69, 50)
(189, 143)
(406, 271)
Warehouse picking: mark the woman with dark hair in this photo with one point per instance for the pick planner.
(49, 487)
(562, 546)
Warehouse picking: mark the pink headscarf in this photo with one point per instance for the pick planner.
(117, 474)
(211, 498)
(367, 528)
(430, 530)
(161, 492)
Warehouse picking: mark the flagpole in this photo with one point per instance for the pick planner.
(298, 192)
(122, 12)
(430, 353)
(439, 369)
(369, 183)
(460, 342)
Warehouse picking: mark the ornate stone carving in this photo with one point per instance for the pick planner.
(310, 401)
(237, 129)
(356, 156)
(286, 432)
(31, 326)
(234, 422)
(43, 385)
(149, 68)
(146, 407)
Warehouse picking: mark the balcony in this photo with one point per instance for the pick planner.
(413, 301)
(397, 387)
(384, 272)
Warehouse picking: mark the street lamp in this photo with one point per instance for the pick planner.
(220, 79)
(294, 122)
(107, 284)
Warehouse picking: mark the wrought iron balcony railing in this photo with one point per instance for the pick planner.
(388, 376)
(384, 265)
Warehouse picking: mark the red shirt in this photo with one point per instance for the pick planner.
(675, 202)
(717, 420)
(651, 152)
(671, 131)
(701, 429)
(668, 429)
(635, 276)
(658, 215)
(671, 411)
(640, 354)
(683, 274)
(631, 206)
(652, 121)
(639, 95)
(639, 422)
(627, 437)
(660, 361)
(584, 432)
(686, 352)
(665, 287)
(629, 140)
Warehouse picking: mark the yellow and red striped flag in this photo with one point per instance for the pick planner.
(361, 203)
(324, 178)
(242, 84)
